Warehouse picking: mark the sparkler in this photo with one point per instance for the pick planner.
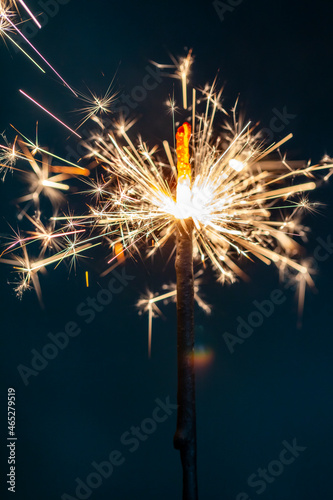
(220, 195)
(24, 5)
(49, 113)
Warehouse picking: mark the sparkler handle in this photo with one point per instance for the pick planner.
(185, 436)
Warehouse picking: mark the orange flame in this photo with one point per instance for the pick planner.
(119, 253)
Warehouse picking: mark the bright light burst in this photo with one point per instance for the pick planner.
(147, 304)
(233, 197)
(95, 104)
(26, 8)
(42, 177)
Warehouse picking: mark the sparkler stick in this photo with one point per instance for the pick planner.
(185, 436)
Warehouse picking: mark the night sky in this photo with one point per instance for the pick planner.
(273, 392)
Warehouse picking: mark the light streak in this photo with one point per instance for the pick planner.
(59, 257)
(37, 148)
(49, 113)
(182, 67)
(24, 5)
(23, 51)
(37, 52)
(55, 185)
(119, 253)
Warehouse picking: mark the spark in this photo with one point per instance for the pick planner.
(182, 67)
(50, 114)
(22, 50)
(5, 16)
(119, 253)
(27, 276)
(97, 104)
(8, 156)
(147, 304)
(24, 5)
(242, 201)
(70, 168)
(228, 194)
(40, 178)
(304, 205)
(97, 188)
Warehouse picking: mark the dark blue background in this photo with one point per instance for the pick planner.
(277, 385)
